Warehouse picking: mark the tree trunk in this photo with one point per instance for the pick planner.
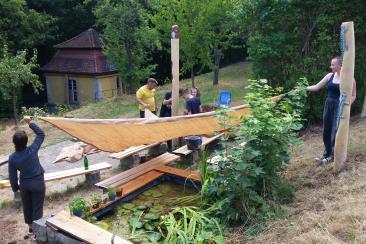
(129, 65)
(217, 59)
(15, 109)
(192, 77)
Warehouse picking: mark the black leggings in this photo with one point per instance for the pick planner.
(32, 192)
(330, 125)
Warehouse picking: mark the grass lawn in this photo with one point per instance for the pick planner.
(232, 78)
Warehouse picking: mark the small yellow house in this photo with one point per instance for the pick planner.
(80, 73)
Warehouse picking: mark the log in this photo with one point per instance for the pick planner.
(346, 83)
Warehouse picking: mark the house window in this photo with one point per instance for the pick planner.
(73, 92)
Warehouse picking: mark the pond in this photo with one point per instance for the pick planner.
(144, 211)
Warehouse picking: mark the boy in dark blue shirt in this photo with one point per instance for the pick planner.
(193, 104)
(31, 174)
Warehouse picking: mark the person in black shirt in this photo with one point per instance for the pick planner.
(192, 103)
(166, 106)
(31, 174)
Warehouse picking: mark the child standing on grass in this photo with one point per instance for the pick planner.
(31, 174)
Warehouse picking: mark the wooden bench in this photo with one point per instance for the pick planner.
(67, 173)
(82, 230)
(205, 141)
(131, 150)
(128, 175)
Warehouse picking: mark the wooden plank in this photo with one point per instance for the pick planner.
(131, 150)
(66, 173)
(76, 171)
(141, 169)
(205, 141)
(82, 230)
(179, 172)
(4, 159)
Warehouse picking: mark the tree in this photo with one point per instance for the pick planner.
(194, 31)
(15, 72)
(222, 19)
(22, 27)
(127, 38)
(292, 39)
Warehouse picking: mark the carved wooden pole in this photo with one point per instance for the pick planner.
(346, 82)
(175, 69)
(175, 74)
(363, 113)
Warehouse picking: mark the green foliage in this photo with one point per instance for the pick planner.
(111, 191)
(245, 178)
(77, 204)
(95, 199)
(292, 39)
(190, 225)
(34, 112)
(128, 40)
(15, 72)
(22, 27)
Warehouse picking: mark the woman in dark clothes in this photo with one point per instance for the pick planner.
(31, 180)
(331, 80)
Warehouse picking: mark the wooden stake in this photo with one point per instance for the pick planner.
(175, 69)
(346, 82)
(175, 74)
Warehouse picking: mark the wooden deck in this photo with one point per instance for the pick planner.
(82, 230)
(179, 172)
(128, 175)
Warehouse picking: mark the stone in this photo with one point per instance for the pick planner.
(55, 237)
(40, 230)
(92, 178)
(158, 149)
(130, 161)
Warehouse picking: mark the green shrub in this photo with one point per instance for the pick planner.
(77, 204)
(245, 175)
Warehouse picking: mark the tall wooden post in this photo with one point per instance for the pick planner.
(363, 113)
(175, 69)
(175, 74)
(346, 82)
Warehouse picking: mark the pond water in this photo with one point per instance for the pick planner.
(143, 212)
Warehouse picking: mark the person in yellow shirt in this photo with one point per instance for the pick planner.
(146, 97)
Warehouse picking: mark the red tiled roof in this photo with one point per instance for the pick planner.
(87, 39)
(80, 55)
(92, 62)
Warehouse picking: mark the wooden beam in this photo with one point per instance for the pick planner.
(131, 150)
(179, 172)
(128, 175)
(82, 230)
(66, 173)
(346, 84)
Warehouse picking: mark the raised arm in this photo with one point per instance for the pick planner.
(320, 84)
(39, 138)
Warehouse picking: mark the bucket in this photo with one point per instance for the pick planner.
(193, 142)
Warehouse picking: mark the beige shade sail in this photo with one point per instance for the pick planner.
(114, 135)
